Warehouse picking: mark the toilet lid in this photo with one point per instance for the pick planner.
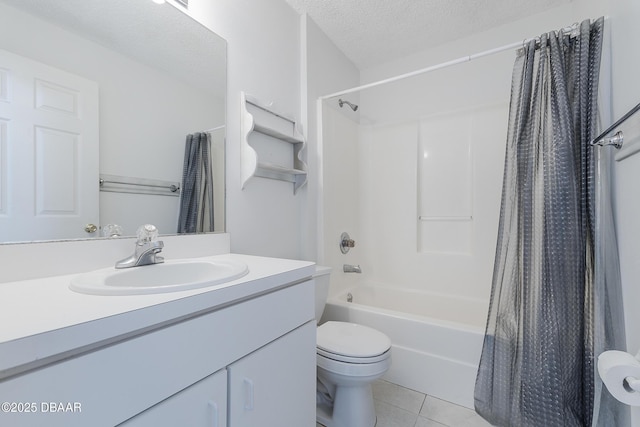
(350, 339)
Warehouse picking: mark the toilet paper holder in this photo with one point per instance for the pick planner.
(632, 384)
(620, 373)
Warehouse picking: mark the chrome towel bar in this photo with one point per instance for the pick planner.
(617, 139)
(125, 184)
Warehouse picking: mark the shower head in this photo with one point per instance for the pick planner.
(354, 107)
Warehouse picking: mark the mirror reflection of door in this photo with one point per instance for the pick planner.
(49, 145)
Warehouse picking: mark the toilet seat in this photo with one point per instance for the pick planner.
(355, 370)
(351, 342)
(350, 359)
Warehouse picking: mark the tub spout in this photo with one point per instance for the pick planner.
(348, 268)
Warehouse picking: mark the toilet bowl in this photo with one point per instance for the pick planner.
(349, 358)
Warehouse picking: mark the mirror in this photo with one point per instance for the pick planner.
(153, 75)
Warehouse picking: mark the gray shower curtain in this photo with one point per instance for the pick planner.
(196, 196)
(549, 316)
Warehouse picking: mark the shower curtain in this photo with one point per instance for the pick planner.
(196, 198)
(552, 308)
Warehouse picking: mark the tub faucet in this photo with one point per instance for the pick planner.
(147, 249)
(348, 268)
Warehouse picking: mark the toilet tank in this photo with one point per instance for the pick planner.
(321, 278)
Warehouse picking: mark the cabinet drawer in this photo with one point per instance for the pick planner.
(114, 383)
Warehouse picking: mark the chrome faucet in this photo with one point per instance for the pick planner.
(348, 268)
(147, 249)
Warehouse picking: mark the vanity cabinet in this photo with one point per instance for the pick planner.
(254, 358)
(264, 389)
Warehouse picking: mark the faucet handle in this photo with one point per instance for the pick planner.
(112, 230)
(147, 233)
(346, 243)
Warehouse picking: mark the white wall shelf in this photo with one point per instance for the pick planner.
(263, 119)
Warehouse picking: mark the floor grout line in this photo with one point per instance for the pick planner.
(424, 400)
(441, 413)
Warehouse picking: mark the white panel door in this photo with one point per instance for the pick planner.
(48, 151)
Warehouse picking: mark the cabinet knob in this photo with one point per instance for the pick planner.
(90, 228)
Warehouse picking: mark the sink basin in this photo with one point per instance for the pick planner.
(170, 276)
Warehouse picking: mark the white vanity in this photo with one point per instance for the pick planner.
(240, 353)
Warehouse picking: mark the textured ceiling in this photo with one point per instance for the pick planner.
(371, 32)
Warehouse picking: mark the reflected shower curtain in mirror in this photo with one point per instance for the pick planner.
(196, 197)
(548, 317)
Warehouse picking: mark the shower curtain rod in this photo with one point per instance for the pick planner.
(426, 70)
(460, 60)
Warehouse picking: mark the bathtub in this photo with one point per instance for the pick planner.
(436, 339)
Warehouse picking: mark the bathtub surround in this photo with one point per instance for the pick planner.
(374, 182)
(537, 363)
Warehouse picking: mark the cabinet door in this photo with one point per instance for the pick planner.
(204, 404)
(275, 385)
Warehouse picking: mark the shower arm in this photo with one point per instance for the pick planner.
(341, 103)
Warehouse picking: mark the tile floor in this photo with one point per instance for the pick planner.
(401, 407)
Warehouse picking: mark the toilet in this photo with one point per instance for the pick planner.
(349, 358)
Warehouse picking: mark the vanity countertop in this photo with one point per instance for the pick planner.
(44, 321)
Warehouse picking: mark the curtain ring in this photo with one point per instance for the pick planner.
(521, 51)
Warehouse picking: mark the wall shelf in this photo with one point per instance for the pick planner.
(263, 119)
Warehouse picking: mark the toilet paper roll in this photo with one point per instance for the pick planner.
(620, 373)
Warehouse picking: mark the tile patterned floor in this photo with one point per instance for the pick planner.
(401, 407)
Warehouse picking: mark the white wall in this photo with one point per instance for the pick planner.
(625, 28)
(328, 70)
(283, 58)
(264, 60)
(332, 203)
(501, 35)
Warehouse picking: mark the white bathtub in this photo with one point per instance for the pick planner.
(436, 339)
